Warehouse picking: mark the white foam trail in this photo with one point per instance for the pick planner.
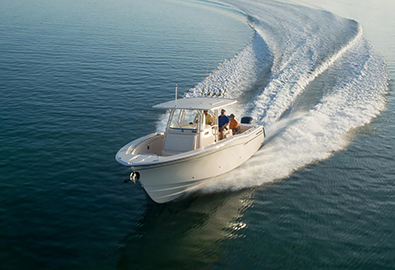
(353, 100)
(285, 99)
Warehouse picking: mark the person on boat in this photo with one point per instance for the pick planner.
(233, 125)
(209, 118)
(223, 122)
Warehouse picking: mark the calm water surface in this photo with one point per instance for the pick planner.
(78, 80)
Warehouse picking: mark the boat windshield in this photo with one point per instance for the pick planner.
(184, 119)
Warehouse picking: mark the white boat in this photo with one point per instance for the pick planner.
(189, 152)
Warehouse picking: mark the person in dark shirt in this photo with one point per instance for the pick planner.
(223, 122)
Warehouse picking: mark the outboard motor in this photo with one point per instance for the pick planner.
(247, 120)
(134, 176)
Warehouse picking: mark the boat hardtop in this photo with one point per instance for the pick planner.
(198, 103)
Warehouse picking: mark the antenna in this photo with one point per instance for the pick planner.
(176, 95)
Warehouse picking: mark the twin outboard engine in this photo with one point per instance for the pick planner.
(247, 120)
(134, 176)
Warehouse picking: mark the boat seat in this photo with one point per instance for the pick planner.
(237, 130)
(176, 143)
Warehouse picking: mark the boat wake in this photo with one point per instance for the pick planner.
(309, 77)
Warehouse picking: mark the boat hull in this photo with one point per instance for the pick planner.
(167, 181)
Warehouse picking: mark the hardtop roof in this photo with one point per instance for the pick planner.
(197, 103)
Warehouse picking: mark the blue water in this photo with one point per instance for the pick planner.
(78, 80)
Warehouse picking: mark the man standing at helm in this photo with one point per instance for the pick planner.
(209, 118)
